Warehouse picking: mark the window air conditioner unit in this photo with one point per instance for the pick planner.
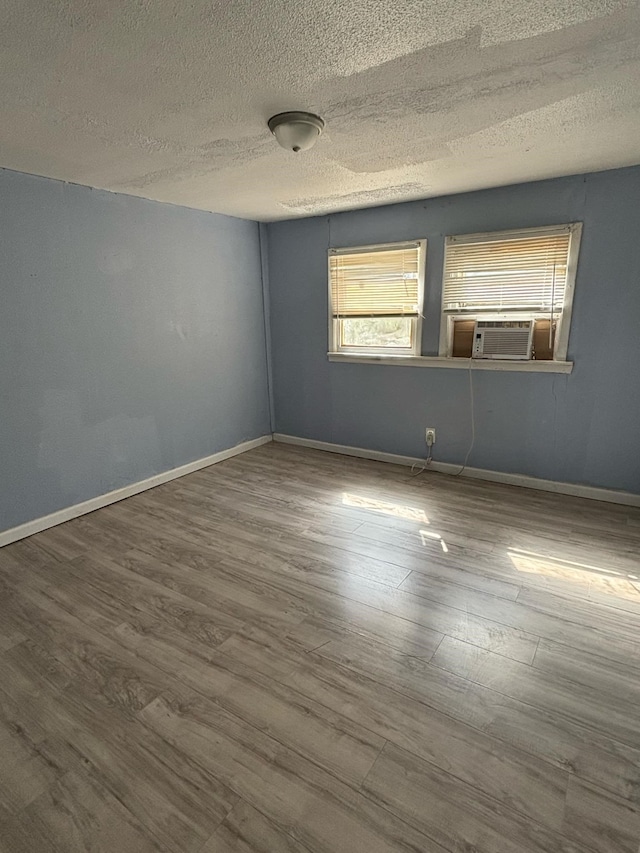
(507, 339)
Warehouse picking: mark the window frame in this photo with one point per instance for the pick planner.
(561, 342)
(416, 321)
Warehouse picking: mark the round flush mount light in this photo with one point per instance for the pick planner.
(296, 131)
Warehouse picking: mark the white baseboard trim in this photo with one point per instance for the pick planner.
(575, 489)
(66, 514)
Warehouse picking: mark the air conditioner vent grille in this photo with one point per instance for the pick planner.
(503, 339)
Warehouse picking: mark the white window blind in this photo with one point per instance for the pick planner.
(375, 282)
(519, 271)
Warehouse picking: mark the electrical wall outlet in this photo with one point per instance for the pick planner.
(430, 436)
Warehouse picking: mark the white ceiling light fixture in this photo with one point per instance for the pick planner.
(296, 131)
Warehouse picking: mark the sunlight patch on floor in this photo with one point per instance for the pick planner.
(597, 578)
(410, 513)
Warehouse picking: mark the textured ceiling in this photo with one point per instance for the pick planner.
(168, 99)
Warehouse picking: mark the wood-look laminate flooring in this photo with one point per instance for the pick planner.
(298, 652)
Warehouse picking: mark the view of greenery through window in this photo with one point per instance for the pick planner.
(376, 332)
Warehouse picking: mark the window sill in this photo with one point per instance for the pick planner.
(459, 363)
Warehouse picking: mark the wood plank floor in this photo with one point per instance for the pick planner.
(297, 652)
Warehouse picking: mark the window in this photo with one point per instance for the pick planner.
(501, 286)
(376, 295)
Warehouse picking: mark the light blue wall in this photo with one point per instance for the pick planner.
(131, 341)
(580, 428)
